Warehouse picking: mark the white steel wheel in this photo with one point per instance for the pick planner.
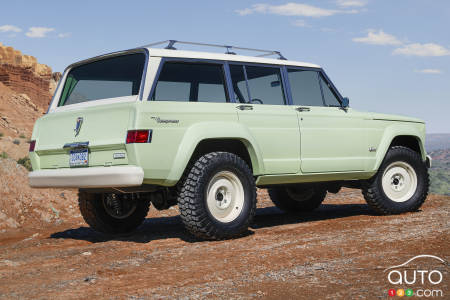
(225, 196)
(399, 181)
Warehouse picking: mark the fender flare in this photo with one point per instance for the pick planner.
(214, 130)
(393, 131)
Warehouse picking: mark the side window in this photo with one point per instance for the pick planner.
(180, 81)
(265, 85)
(239, 83)
(305, 87)
(329, 96)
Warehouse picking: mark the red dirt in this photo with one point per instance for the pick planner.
(337, 252)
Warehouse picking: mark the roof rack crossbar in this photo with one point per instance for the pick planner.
(171, 43)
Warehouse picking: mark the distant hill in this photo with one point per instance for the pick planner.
(440, 172)
(437, 141)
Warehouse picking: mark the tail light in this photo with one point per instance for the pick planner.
(32, 145)
(139, 136)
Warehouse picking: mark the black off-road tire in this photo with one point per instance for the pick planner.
(374, 194)
(95, 215)
(284, 200)
(192, 201)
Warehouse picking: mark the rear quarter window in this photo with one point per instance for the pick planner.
(107, 78)
(197, 82)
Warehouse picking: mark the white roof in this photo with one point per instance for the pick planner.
(229, 57)
(158, 52)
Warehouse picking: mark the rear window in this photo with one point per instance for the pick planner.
(107, 78)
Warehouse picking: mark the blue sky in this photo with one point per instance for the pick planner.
(386, 56)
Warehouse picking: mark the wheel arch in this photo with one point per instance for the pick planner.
(407, 137)
(206, 137)
(240, 147)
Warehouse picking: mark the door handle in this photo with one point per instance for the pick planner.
(302, 109)
(245, 107)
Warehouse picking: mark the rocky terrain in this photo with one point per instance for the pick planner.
(26, 88)
(23, 74)
(339, 251)
(48, 252)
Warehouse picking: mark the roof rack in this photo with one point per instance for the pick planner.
(171, 43)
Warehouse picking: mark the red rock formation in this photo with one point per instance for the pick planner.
(24, 75)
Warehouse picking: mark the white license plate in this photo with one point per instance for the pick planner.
(79, 158)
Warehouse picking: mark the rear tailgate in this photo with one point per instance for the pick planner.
(103, 128)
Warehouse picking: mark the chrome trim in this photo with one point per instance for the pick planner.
(76, 145)
(428, 161)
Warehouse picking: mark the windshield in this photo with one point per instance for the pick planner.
(117, 76)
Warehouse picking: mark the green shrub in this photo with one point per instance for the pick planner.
(1, 134)
(25, 161)
(16, 142)
(22, 136)
(4, 155)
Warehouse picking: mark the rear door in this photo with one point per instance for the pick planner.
(262, 107)
(332, 138)
(91, 112)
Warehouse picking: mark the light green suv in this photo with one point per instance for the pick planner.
(203, 130)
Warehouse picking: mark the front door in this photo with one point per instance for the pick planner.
(332, 138)
(262, 109)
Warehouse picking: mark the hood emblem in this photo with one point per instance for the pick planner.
(78, 125)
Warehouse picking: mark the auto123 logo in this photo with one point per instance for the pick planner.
(420, 276)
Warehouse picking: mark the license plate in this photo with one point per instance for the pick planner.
(79, 158)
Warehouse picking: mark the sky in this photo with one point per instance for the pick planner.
(389, 56)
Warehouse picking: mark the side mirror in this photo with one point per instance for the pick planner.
(345, 102)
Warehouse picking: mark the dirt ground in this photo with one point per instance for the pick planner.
(339, 251)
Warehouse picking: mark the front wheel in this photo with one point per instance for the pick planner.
(400, 185)
(217, 199)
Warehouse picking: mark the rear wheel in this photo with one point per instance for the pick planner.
(217, 198)
(298, 198)
(400, 185)
(113, 213)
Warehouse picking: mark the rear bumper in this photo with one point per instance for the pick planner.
(94, 177)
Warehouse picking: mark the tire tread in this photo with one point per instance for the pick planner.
(373, 194)
(194, 215)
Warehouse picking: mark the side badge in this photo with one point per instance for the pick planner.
(372, 149)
